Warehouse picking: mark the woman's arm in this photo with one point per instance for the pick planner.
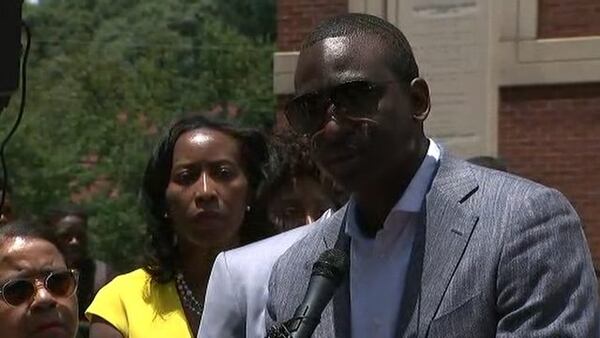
(100, 328)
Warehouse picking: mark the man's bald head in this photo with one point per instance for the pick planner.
(398, 52)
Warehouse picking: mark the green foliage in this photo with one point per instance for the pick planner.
(104, 78)
(253, 18)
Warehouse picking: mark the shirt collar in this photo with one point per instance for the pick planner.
(414, 195)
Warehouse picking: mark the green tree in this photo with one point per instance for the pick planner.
(105, 77)
(254, 18)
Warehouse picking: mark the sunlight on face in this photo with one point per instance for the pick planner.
(200, 138)
(17, 244)
(333, 48)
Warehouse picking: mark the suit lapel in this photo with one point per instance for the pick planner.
(341, 299)
(336, 317)
(449, 225)
(437, 250)
(341, 311)
(287, 293)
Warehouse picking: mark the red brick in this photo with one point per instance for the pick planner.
(557, 145)
(296, 18)
(568, 18)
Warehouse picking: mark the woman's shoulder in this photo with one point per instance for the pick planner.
(127, 283)
(137, 289)
(135, 277)
(123, 291)
(131, 303)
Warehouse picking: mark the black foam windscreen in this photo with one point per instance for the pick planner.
(332, 264)
(10, 47)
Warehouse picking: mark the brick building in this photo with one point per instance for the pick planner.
(545, 97)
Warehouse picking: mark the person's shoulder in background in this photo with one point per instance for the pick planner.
(237, 291)
(103, 274)
(110, 303)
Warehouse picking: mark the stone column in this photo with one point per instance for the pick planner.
(454, 42)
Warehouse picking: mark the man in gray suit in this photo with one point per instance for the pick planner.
(438, 247)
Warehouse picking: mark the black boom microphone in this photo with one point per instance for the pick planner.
(327, 274)
(10, 48)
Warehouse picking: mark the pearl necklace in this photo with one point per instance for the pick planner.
(189, 300)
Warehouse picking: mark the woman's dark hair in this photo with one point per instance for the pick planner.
(161, 255)
(26, 228)
(292, 159)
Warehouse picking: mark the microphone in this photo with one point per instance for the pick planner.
(327, 274)
(10, 44)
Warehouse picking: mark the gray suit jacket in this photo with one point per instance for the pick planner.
(499, 256)
(236, 295)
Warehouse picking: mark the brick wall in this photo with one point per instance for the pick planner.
(551, 134)
(295, 18)
(568, 18)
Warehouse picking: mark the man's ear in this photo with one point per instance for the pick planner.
(419, 92)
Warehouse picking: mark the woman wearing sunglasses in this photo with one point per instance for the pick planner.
(37, 291)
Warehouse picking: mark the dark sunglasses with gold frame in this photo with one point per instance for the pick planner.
(355, 101)
(18, 291)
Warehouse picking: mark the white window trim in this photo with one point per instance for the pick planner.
(524, 59)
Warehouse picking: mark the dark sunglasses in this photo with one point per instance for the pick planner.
(354, 101)
(61, 284)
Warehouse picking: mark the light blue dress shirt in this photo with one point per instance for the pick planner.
(378, 265)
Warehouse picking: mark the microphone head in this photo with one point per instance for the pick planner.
(332, 264)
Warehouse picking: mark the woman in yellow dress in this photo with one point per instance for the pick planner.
(200, 194)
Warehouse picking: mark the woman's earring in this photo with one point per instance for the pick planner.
(165, 215)
(248, 208)
(175, 240)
